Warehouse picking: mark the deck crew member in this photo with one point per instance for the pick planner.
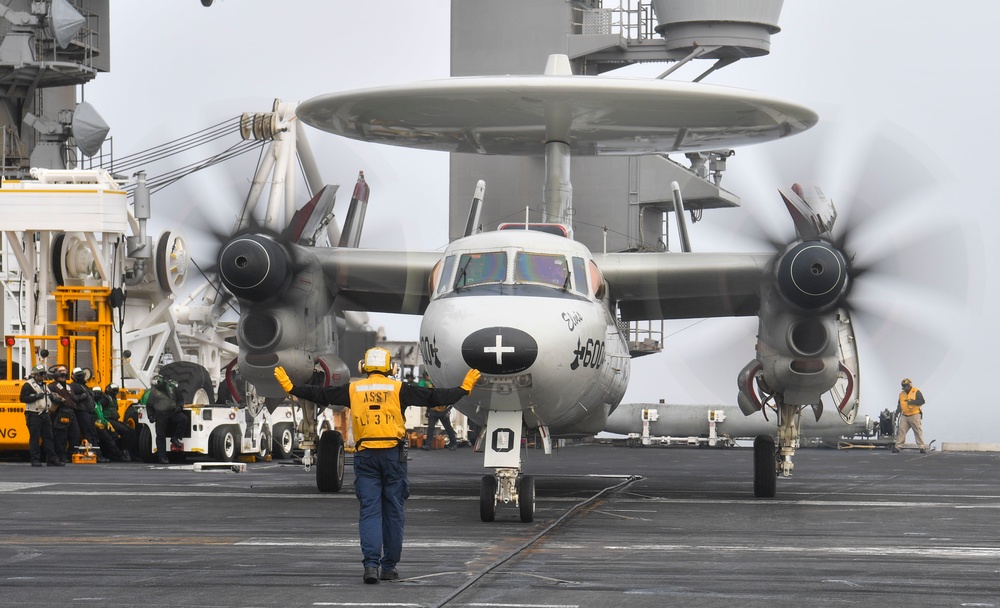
(910, 416)
(165, 408)
(65, 429)
(377, 403)
(38, 400)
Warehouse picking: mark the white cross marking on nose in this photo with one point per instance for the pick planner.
(499, 349)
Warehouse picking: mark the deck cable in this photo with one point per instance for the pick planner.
(615, 488)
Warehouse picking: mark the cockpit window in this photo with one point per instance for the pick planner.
(541, 268)
(597, 281)
(580, 272)
(442, 279)
(476, 268)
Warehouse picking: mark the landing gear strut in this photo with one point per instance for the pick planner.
(770, 458)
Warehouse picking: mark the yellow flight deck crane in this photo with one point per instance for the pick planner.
(72, 249)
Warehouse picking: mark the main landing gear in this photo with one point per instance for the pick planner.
(770, 458)
(329, 450)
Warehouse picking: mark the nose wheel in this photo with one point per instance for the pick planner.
(488, 498)
(505, 486)
(526, 498)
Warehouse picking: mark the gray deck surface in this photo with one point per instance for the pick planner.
(851, 528)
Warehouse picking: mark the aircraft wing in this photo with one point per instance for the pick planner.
(645, 285)
(376, 280)
(684, 285)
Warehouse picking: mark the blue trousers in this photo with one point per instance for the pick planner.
(381, 486)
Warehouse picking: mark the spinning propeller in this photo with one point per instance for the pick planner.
(907, 263)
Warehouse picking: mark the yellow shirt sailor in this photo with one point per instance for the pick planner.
(910, 400)
(377, 404)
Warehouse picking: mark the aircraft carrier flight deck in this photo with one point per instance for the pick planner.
(614, 526)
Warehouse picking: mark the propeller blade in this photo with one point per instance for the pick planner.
(892, 169)
(912, 260)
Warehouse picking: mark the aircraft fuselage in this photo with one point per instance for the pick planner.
(523, 308)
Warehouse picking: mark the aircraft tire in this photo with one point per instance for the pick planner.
(190, 378)
(488, 498)
(146, 444)
(765, 473)
(223, 445)
(526, 498)
(282, 441)
(330, 462)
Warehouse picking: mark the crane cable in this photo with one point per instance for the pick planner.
(181, 144)
(216, 132)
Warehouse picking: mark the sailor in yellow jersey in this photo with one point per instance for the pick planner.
(380, 482)
(910, 400)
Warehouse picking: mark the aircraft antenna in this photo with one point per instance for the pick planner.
(476, 209)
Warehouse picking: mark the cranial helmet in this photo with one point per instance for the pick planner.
(38, 369)
(159, 381)
(111, 388)
(97, 389)
(376, 360)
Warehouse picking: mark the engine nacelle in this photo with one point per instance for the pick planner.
(797, 340)
(266, 329)
(290, 325)
(797, 353)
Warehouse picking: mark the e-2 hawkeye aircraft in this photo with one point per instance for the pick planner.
(536, 312)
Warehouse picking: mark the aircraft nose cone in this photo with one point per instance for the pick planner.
(499, 350)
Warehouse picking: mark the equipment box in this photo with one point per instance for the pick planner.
(416, 440)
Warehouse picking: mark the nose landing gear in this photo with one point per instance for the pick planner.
(505, 486)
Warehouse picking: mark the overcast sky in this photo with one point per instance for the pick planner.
(906, 95)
